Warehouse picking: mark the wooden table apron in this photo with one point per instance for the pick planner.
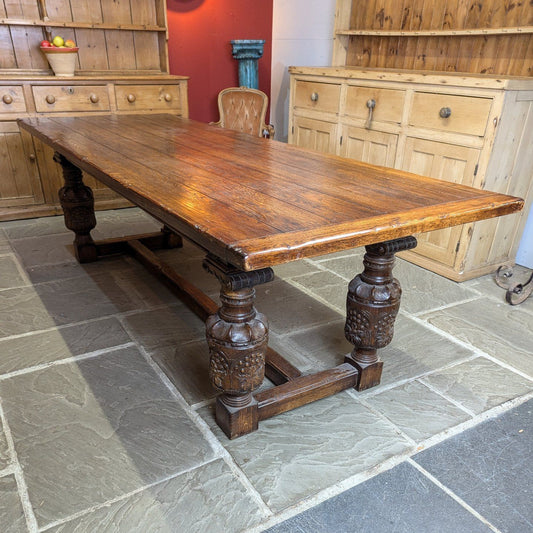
(251, 204)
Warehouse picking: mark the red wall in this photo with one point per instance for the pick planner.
(199, 46)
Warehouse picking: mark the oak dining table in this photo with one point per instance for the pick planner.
(251, 204)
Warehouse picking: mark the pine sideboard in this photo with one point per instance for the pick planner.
(121, 68)
(469, 129)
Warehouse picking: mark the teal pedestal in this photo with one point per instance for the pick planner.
(247, 52)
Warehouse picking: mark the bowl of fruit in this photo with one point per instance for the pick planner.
(61, 54)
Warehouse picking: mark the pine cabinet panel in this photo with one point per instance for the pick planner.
(315, 134)
(370, 146)
(471, 130)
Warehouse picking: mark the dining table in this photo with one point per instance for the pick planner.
(251, 204)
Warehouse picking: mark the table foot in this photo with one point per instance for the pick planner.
(372, 305)
(237, 336)
(77, 201)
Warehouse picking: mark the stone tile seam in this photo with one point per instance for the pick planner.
(20, 268)
(342, 486)
(331, 491)
(508, 367)
(369, 393)
(446, 397)
(66, 360)
(450, 337)
(124, 496)
(452, 494)
(313, 295)
(388, 421)
(446, 306)
(22, 488)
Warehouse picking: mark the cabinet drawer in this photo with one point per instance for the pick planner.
(148, 97)
(388, 103)
(53, 98)
(317, 95)
(12, 99)
(461, 114)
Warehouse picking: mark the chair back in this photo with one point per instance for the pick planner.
(244, 109)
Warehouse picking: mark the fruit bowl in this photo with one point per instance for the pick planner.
(62, 60)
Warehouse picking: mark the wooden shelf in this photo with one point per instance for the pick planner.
(438, 33)
(83, 25)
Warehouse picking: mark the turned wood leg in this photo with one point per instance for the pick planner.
(371, 307)
(77, 202)
(237, 336)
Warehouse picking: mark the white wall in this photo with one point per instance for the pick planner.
(525, 252)
(302, 35)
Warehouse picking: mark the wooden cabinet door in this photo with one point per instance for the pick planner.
(20, 184)
(370, 146)
(446, 162)
(315, 134)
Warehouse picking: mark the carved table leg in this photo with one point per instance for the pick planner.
(371, 307)
(237, 336)
(77, 202)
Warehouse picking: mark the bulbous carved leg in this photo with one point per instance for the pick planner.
(371, 307)
(77, 202)
(237, 336)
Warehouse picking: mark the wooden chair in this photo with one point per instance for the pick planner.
(244, 109)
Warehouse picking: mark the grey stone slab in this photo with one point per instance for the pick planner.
(489, 467)
(44, 347)
(295, 268)
(208, 499)
(5, 247)
(423, 290)
(123, 222)
(10, 275)
(57, 303)
(401, 500)
(488, 287)
(187, 366)
(170, 326)
(45, 249)
(326, 285)
(89, 432)
(479, 384)
(289, 309)
(414, 350)
(347, 265)
(35, 227)
(12, 518)
(419, 412)
(5, 456)
(296, 454)
(501, 330)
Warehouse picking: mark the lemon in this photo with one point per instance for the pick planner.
(58, 41)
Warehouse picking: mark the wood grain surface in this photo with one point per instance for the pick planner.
(254, 202)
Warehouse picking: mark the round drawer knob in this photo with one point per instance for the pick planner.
(32, 157)
(168, 97)
(7, 99)
(94, 98)
(131, 98)
(50, 99)
(314, 97)
(445, 112)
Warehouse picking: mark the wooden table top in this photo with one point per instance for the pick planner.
(255, 202)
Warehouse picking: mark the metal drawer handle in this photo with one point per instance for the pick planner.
(131, 98)
(7, 99)
(94, 98)
(168, 97)
(371, 104)
(50, 99)
(314, 97)
(445, 112)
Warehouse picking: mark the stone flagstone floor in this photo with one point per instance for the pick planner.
(94, 437)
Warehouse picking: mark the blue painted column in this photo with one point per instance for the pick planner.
(247, 52)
